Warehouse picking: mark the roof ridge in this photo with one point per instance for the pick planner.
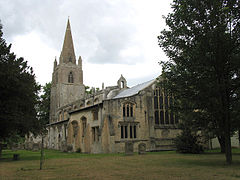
(133, 90)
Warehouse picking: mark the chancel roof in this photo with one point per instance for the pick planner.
(134, 90)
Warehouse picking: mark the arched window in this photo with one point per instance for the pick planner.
(70, 77)
(163, 107)
(84, 125)
(122, 84)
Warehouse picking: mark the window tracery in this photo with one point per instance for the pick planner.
(163, 107)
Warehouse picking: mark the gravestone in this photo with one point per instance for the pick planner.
(35, 147)
(142, 148)
(128, 148)
(16, 157)
(69, 148)
(64, 146)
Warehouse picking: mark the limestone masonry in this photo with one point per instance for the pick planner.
(113, 119)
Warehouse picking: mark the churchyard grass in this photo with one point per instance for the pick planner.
(154, 165)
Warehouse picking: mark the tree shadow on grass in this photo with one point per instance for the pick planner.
(7, 156)
(208, 162)
(36, 169)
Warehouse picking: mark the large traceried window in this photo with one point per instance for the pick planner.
(163, 108)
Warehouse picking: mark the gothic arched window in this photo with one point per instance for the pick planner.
(163, 107)
(70, 77)
(84, 125)
(122, 84)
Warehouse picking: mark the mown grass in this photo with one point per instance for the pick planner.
(48, 154)
(155, 165)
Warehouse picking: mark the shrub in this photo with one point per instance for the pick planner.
(188, 142)
(78, 150)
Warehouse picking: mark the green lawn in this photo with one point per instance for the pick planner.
(158, 165)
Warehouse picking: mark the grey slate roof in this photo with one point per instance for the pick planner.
(134, 90)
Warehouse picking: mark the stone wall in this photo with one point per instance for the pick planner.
(84, 131)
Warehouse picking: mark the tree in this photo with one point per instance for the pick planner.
(44, 106)
(202, 43)
(18, 94)
(43, 115)
(90, 91)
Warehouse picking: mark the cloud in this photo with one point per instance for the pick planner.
(117, 36)
(102, 30)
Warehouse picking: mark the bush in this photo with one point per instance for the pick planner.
(78, 150)
(188, 142)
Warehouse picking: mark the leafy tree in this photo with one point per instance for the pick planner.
(18, 94)
(202, 43)
(43, 115)
(90, 91)
(44, 106)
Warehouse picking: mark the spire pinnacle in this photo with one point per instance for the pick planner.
(68, 54)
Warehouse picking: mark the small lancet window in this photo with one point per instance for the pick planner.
(70, 77)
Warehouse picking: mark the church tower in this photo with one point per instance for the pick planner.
(67, 77)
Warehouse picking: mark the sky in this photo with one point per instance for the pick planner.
(113, 37)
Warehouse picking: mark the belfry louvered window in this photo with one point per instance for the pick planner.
(70, 77)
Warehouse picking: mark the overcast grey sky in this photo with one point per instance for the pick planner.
(113, 37)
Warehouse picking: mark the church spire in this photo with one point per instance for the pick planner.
(68, 54)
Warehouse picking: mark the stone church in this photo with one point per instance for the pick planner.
(105, 120)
